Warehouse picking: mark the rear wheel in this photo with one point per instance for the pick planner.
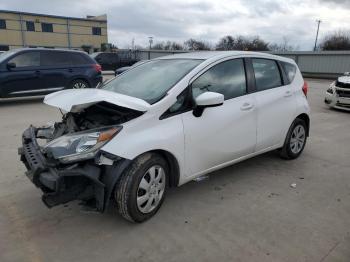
(295, 140)
(142, 188)
(78, 84)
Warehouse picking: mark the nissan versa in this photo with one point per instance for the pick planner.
(164, 123)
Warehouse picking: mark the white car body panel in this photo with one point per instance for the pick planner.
(73, 100)
(210, 139)
(240, 128)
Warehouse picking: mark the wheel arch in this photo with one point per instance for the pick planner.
(305, 118)
(173, 165)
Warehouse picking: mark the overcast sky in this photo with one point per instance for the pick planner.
(207, 20)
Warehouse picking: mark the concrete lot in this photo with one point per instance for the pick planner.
(246, 212)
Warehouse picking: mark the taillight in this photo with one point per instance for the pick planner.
(97, 67)
(305, 88)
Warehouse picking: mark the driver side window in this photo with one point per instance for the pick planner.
(227, 78)
(26, 59)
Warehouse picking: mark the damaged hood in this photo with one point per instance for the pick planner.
(74, 100)
(344, 79)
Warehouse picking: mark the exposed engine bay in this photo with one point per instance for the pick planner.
(70, 165)
(97, 115)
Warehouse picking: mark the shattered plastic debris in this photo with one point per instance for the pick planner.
(294, 185)
(201, 178)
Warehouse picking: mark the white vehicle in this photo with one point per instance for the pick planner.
(338, 94)
(163, 124)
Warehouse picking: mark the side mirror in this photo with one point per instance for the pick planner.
(347, 73)
(11, 66)
(207, 99)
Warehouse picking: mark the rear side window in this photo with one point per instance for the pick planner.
(26, 59)
(54, 59)
(267, 74)
(227, 78)
(79, 59)
(290, 71)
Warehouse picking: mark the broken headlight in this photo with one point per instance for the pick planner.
(81, 145)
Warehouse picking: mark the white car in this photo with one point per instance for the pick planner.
(338, 94)
(163, 124)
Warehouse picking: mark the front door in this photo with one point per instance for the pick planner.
(25, 78)
(222, 133)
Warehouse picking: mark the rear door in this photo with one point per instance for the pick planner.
(275, 103)
(55, 69)
(25, 78)
(225, 132)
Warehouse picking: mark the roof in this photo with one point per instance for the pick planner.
(215, 54)
(54, 16)
(45, 49)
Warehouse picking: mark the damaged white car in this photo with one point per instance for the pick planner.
(338, 94)
(164, 123)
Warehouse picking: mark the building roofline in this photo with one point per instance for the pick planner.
(52, 16)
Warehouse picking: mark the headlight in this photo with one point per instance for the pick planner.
(330, 90)
(80, 146)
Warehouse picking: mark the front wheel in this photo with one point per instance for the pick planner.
(142, 188)
(295, 140)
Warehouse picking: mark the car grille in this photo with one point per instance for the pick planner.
(342, 93)
(342, 85)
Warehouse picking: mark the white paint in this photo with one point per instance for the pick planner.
(238, 129)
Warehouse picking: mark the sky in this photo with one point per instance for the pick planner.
(208, 20)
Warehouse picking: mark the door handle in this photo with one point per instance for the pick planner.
(70, 70)
(288, 93)
(246, 106)
(37, 72)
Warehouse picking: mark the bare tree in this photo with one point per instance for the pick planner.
(283, 47)
(196, 45)
(336, 41)
(168, 45)
(226, 43)
(242, 43)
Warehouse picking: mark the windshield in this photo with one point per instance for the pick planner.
(152, 80)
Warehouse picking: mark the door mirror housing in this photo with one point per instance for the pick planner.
(11, 65)
(207, 99)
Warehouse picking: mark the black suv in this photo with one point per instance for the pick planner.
(115, 60)
(40, 71)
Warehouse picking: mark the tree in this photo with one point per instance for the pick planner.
(242, 43)
(336, 41)
(283, 47)
(168, 45)
(196, 45)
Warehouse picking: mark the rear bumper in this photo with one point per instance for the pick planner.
(60, 184)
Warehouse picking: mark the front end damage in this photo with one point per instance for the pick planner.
(66, 160)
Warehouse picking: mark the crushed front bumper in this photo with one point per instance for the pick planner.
(338, 99)
(60, 183)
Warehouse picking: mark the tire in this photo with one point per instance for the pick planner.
(78, 84)
(132, 191)
(295, 141)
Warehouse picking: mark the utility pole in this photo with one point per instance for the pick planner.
(318, 29)
(150, 40)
